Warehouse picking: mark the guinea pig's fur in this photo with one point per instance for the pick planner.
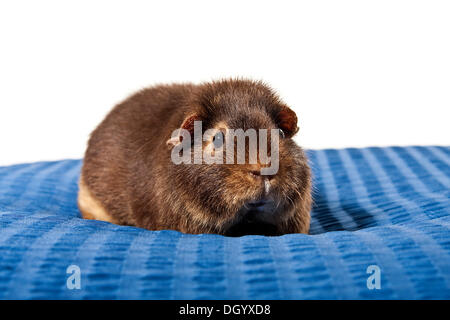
(128, 176)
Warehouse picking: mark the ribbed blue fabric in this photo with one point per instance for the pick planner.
(388, 207)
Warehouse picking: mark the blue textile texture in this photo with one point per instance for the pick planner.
(388, 207)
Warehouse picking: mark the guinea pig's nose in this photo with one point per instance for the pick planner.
(257, 173)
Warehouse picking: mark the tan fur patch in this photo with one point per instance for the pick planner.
(90, 207)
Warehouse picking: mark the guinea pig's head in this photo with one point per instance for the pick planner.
(235, 168)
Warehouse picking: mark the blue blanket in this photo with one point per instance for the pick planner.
(380, 229)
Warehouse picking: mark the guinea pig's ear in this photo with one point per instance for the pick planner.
(188, 124)
(287, 121)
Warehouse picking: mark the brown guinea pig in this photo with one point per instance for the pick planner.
(129, 176)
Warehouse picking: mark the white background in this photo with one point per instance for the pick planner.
(358, 73)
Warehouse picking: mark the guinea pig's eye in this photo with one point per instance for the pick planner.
(282, 135)
(218, 140)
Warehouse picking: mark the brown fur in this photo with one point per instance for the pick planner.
(128, 172)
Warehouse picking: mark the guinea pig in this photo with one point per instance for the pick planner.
(129, 176)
